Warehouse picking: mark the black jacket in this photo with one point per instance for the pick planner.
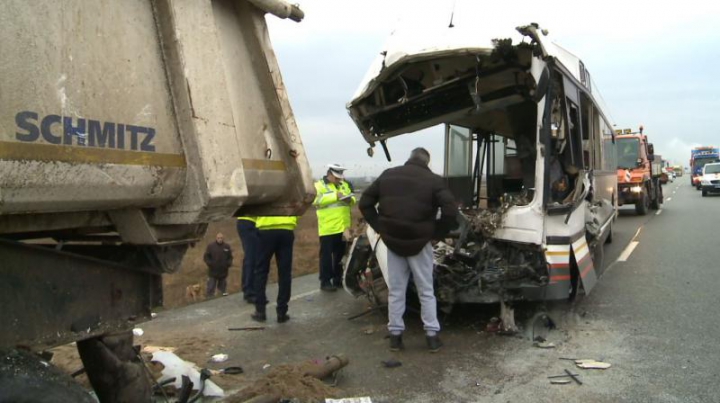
(218, 257)
(407, 199)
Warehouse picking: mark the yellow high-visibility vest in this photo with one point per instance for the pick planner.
(248, 218)
(276, 222)
(334, 216)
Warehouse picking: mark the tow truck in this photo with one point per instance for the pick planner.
(639, 172)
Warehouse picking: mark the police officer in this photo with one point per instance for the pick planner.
(249, 237)
(333, 201)
(276, 238)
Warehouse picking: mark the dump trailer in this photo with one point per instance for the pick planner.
(125, 128)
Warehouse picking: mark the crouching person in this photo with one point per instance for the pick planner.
(276, 238)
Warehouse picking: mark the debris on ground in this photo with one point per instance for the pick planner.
(138, 332)
(302, 382)
(350, 400)
(559, 381)
(153, 349)
(266, 366)
(228, 371)
(247, 328)
(544, 344)
(219, 358)
(592, 364)
(391, 363)
(493, 326)
(369, 331)
(176, 367)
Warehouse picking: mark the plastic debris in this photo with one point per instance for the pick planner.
(350, 400)
(176, 367)
(153, 315)
(266, 366)
(138, 332)
(219, 358)
(544, 344)
(559, 381)
(592, 364)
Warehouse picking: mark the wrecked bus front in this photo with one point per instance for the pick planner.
(529, 156)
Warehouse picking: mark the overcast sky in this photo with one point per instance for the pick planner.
(654, 64)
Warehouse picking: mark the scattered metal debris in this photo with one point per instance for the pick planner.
(391, 363)
(247, 328)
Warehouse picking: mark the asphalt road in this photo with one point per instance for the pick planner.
(653, 316)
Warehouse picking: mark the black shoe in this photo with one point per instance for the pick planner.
(396, 343)
(282, 318)
(328, 287)
(433, 343)
(259, 317)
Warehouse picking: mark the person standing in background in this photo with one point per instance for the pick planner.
(218, 257)
(249, 237)
(333, 202)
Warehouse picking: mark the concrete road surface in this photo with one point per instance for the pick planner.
(655, 316)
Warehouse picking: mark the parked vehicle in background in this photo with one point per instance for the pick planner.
(639, 172)
(699, 156)
(710, 179)
(678, 170)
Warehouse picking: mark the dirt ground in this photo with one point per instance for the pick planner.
(194, 271)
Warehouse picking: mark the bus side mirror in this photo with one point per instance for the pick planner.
(651, 149)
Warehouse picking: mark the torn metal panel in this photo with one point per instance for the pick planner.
(584, 261)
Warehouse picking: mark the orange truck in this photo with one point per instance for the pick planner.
(639, 172)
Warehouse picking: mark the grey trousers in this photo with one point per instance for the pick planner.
(399, 269)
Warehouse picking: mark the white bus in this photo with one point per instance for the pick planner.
(529, 156)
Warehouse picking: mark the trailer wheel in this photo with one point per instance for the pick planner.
(641, 207)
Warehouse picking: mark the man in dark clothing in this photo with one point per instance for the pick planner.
(218, 257)
(408, 198)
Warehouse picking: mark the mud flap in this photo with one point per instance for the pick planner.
(558, 258)
(586, 268)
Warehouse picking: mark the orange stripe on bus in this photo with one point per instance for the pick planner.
(560, 277)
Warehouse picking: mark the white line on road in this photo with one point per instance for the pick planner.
(637, 233)
(659, 212)
(628, 250)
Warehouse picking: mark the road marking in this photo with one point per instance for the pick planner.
(637, 233)
(628, 250)
(659, 212)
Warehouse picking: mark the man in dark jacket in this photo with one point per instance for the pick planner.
(402, 206)
(218, 257)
